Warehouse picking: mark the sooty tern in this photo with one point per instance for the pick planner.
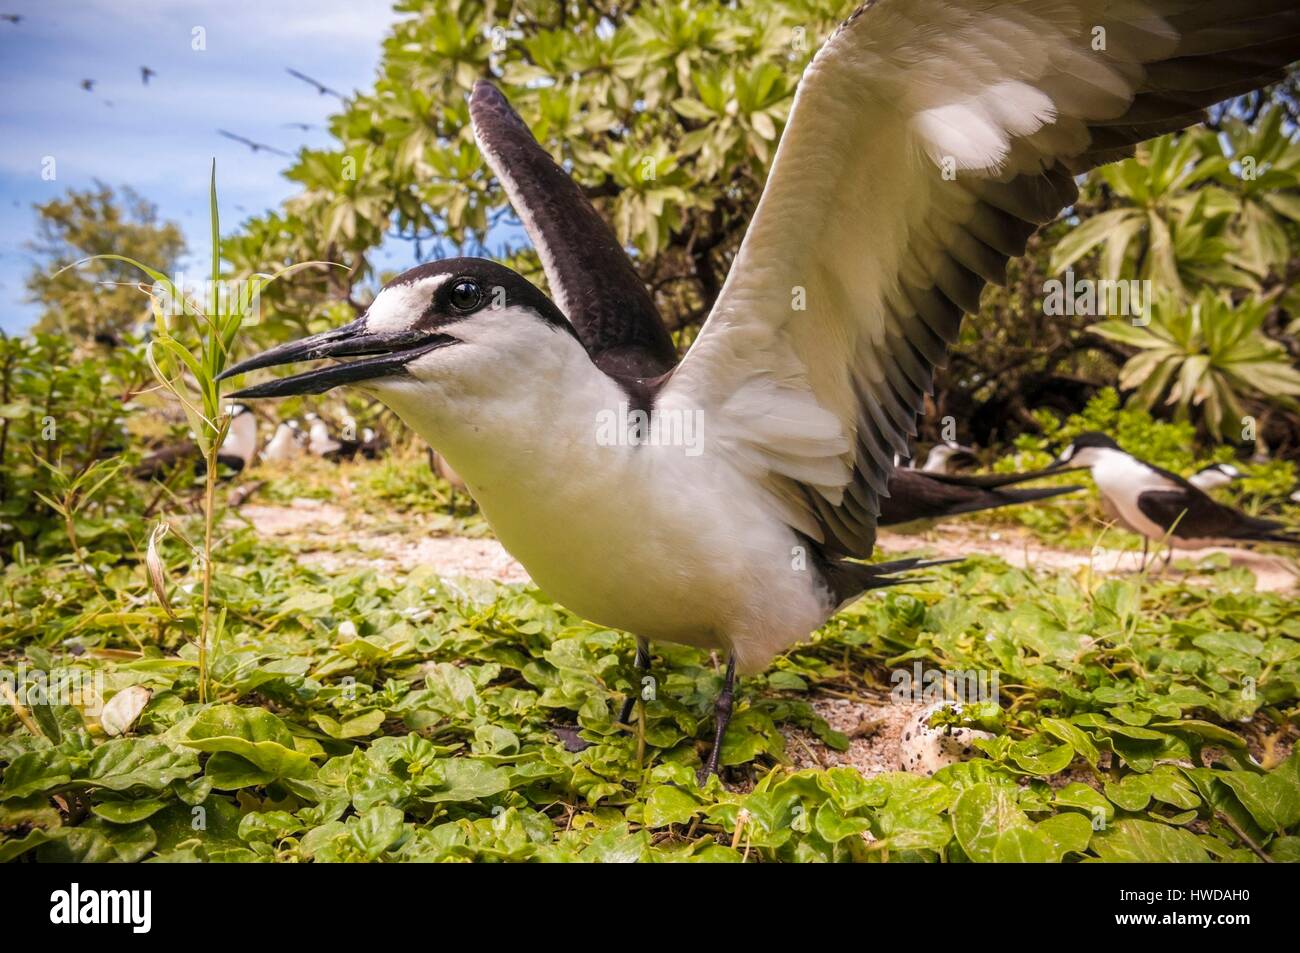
(372, 444)
(1163, 507)
(945, 457)
(236, 452)
(927, 141)
(1207, 478)
(286, 444)
(1214, 476)
(320, 442)
(324, 441)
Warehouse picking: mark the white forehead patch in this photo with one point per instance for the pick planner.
(398, 306)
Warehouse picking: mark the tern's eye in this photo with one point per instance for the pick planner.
(465, 295)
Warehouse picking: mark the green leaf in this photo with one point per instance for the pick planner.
(229, 772)
(1077, 794)
(126, 763)
(128, 812)
(1147, 842)
(749, 734)
(616, 846)
(667, 805)
(1022, 845)
(359, 726)
(16, 847)
(465, 779)
(1272, 799)
(253, 734)
(1166, 784)
(376, 830)
(1065, 834)
(981, 815)
(35, 771)
(1074, 736)
(1038, 758)
(832, 826)
(1088, 235)
(97, 842)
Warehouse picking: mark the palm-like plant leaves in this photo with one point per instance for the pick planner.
(1204, 356)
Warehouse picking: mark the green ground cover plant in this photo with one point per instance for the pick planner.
(364, 716)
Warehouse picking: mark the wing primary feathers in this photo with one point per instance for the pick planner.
(927, 141)
(588, 271)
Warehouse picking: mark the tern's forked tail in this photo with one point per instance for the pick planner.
(848, 580)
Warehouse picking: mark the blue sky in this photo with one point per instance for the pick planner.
(161, 138)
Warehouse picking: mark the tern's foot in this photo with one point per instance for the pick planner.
(625, 713)
(721, 716)
(640, 664)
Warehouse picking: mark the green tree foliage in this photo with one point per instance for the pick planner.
(62, 430)
(1202, 209)
(1209, 218)
(668, 116)
(100, 298)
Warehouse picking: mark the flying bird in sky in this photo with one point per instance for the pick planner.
(320, 87)
(147, 74)
(14, 18)
(88, 85)
(255, 146)
(722, 500)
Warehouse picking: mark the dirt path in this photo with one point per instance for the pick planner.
(324, 539)
(1023, 550)
(319, 529)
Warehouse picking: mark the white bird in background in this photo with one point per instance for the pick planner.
(714, 501)
(320, 442)
(1215, 476)
(241, 439)
(237, 451)
(944, 457)
(285, 445)
(371, 443)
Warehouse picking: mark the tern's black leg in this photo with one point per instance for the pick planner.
(721, 715)
(642, 664)
(1146, 544)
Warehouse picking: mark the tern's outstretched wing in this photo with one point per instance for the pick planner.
(915, 495)
(928, 140)
(591, 277)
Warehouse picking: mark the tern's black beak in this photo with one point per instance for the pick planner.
(383, 355)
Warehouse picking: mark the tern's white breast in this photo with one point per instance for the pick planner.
(666, 541)
(657, 543)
